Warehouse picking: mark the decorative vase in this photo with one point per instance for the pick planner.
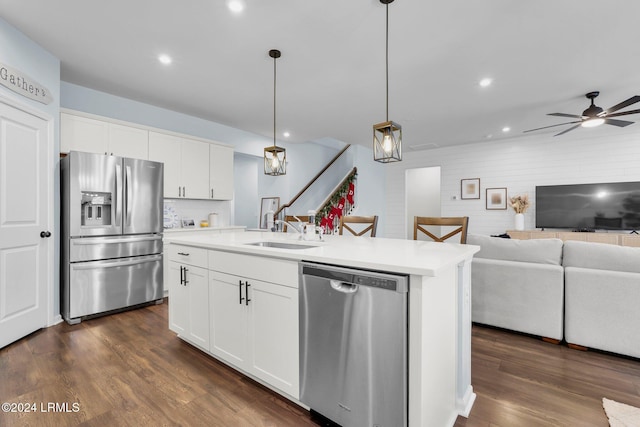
(519, 221)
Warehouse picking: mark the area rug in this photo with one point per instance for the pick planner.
(620, 414)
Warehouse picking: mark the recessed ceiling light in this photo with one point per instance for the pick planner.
(236, 6)
(286, 134)
(165, 59)
(485, 82)
(506, 129)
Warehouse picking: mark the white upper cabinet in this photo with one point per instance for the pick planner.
(127, 141)
(220, 172)
(79, 133)
(167, 149)
(83, 134)
(186, 165)
(193, 168)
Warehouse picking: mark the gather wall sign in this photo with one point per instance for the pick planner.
(21, 83)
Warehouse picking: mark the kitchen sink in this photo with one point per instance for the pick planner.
(281, 245)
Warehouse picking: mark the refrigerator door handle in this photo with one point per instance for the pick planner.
(118, 198)
(115, 263)
(128, 192)
(102, 240)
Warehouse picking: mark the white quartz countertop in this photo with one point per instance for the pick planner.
(204, 229)
(382, 254)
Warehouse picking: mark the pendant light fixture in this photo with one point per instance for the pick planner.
(387, 136)
(275, 158)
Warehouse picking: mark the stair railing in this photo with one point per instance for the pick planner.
(314, 179)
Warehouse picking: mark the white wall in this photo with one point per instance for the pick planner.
(604, 154)
(21, 53)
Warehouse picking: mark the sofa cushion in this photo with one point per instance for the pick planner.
(601, 309)
(601, 256)
(521, 296)
(542, 251)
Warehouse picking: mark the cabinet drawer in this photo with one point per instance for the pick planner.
(188, 255)
(273, 270)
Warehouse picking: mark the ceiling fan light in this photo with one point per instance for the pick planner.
(593, 122)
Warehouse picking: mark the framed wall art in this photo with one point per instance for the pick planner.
(496, 198)
(470, 188)
(268, 204)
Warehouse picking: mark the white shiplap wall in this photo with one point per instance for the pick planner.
(604, 154)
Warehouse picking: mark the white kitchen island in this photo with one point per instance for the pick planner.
(207, 274)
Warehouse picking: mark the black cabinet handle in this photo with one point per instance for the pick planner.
(183, 254)
(185, 276)
(240, 290)
(181, 275)
(44, 234)
(246, 292)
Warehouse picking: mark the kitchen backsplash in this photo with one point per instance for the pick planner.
(176, 210)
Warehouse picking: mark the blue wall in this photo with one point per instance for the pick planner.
(21, 53)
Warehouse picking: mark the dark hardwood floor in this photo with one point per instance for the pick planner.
(128, 369)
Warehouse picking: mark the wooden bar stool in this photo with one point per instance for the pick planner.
(461, 222)
(371, 220)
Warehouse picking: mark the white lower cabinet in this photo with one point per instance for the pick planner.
(189, 295)
(237, 312)
(229, 319)
(254, 324)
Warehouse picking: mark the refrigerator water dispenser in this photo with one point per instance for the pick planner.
(95, 209)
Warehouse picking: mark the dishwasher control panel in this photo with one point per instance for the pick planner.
(376, 282)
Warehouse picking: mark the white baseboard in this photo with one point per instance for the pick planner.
(466, 403)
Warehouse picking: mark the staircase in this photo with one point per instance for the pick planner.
(331, 193)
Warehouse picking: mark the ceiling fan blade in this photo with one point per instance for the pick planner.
(619, 123)
(624, 113)
(565, 115)
(552, 126)
(623, 104)
(567, 130)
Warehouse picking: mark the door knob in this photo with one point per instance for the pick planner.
(44, 234)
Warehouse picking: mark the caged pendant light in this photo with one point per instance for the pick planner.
(275, 158)
(387, 136)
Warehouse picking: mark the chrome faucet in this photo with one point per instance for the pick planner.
(299, 227)
(305, 231)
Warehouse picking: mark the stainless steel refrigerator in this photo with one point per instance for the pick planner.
(112, 225)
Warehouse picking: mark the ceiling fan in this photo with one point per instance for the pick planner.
(595, 116)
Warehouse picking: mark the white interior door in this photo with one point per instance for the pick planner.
(422, 197)
(25, 178)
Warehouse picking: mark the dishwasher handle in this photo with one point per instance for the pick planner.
(344, 287)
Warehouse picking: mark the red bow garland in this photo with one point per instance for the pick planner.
(344, 203)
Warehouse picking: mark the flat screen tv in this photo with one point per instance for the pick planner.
(586, 207)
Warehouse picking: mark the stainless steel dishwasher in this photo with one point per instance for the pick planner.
(353, 346)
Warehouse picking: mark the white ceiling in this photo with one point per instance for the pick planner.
(543, 56)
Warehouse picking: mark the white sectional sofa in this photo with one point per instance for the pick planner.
(518, 285)
(602, 297)
(585, 293)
